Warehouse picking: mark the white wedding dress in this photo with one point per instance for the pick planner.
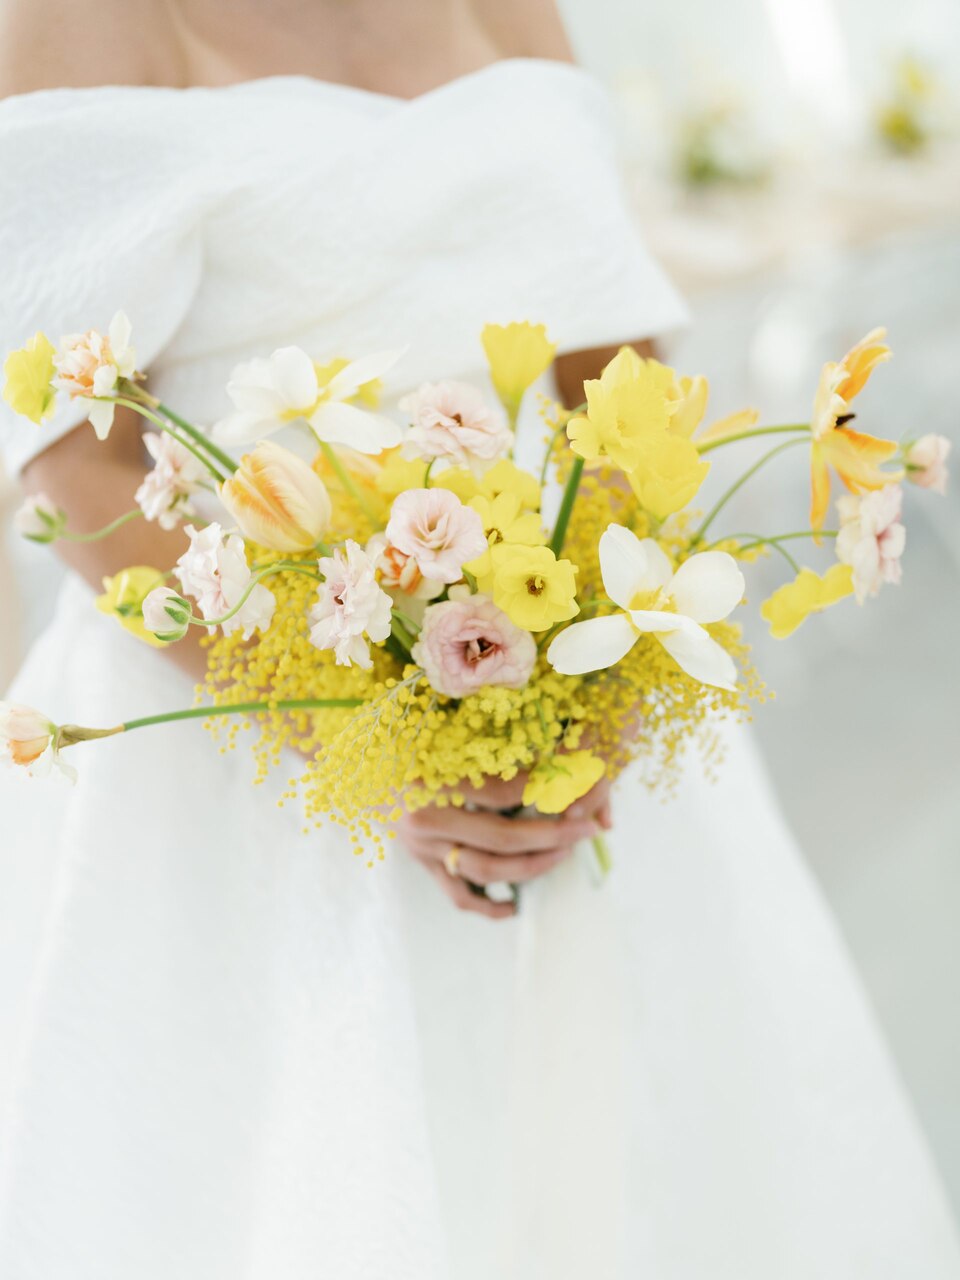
(229, 1051)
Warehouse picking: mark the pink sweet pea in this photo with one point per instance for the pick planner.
(437, 531)
(467, 642)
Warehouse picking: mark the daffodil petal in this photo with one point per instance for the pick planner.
(708, 586)
(244, 427)
(119, 332)
(656, 620)
(624, 564)
(592, 645)
(345, 424)
(699, 655)
(293, 377)
(359, 372)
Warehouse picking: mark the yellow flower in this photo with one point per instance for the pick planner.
(669, 475)
(277, 499)
(393, 473)
(123, 598)
(808, 593)
(556, 782)
(532, 587)
(627, 405)
(731, 425)
(517, 354)
(504, 523)
(368, 393)
(855, 457)
(503, 477)
(29, 373)
(688, 400)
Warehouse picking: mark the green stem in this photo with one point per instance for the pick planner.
(105, 532)
(581, 408)
(202, 440)
(242, 709)
(735, 488)
(343, 476)
(139, 407)
(601, 851)
(400, 632)
(749, 435)
(786, 537)
(426, 474)
(566, 507)
(278, 567)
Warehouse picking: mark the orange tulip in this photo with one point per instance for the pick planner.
(277, 499)
(857, 458)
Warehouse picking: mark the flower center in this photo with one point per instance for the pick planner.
(493, 535)
(653, 600)
(535, 585)
(476, 650)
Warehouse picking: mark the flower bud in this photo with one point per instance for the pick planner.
(166, 614)
(277, 499)
(25, 734)
(40, 519)
(926, 461)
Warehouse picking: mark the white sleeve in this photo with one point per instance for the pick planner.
(98, 213)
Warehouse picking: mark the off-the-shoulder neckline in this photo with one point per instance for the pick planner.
(315, 83)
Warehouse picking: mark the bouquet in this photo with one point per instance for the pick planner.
(413, 613)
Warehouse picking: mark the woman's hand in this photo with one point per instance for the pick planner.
(483, 847)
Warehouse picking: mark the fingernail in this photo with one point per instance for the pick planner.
(577, 811)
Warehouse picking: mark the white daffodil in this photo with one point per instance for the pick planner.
(286, 387)
(638, 576)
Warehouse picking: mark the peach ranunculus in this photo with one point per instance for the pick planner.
(453, 422)
(467, 642)
(29, 740)
(437, 531)
(90, 365)
(277, 499)
(855, 457)
(871, 539)
(399, 572)
(926, 461)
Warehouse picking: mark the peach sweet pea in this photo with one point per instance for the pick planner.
(90, 365)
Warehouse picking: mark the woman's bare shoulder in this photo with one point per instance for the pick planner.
(526, 28)
(51, 44)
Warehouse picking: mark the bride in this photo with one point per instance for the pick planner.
(226, 1049)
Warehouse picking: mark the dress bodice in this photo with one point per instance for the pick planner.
(227, 222)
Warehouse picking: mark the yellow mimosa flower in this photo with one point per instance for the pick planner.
(517, 355)
(793, 603)
(29, 373)
(556, 782)
(504, 523)
(855, 457)
(532, 587)
(629, 403)
(123, 598)
(669, 474)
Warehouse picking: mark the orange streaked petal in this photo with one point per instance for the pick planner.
(819, 487)
(861, 360)
(857, 459)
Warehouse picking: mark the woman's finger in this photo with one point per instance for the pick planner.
(481, 867)
(459, 894)
(500, 835)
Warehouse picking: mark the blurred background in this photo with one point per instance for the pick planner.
(796, 166)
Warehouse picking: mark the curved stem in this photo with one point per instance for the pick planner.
(566, 507)
(139, 407)
(735, 488)
(241, 709)
(749, 435)
(786, 537)
(255, 579)
(105, 532)
(202, 440)
(343, 476)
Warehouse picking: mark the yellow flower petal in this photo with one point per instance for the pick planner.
(29, 373)
(555, 783)
(626, 405)
(123, 599)
(532, 587)
(517, 354)
(731, 425)
(669, 474)
(793, 603)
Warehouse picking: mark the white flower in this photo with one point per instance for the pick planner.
(89, 365)
(871, 538)
(926, 462)
(215, 572)
(452, 421)
(352, 605)
(166, 614)
(40, 519)
(639, 578)
(165, 493)
(269, 394)
(29, 740)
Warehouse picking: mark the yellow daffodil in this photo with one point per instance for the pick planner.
(626, 405)
(517, 355)
(532, 587)
(669, 474)
(123, 598)
(556, 782)
(503, 477)
(393, 473)
(688, 398)
(504, 523)
(856, 458)
(793, 603)
(29, 373)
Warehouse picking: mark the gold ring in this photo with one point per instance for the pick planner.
(451, 860)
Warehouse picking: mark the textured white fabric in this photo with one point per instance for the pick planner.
(228, 1050)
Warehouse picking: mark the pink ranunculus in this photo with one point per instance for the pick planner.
(927, 462)
(435, 528)
(165, 493)
(467, 642)
(215, 572)
(351, 607)
(452, 421)
(871, 538)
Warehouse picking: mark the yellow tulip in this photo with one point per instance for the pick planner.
(277, 499)
(123, 599)
(792, 604)
(517, 355)
(29, 374)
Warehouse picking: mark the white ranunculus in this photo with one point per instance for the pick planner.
(638, 576)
